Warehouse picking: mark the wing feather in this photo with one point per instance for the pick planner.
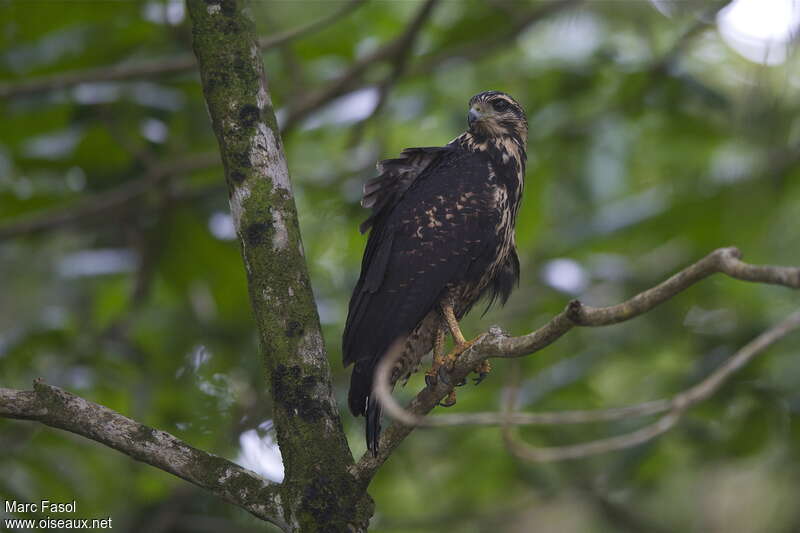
(396, 176)
(439, 231)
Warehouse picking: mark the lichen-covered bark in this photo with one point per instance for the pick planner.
(319, 493)
(60, 409)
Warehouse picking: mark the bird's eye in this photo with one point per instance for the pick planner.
(500, 105)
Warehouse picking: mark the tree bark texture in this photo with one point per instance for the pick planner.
(319, 491)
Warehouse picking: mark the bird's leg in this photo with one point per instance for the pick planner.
(447, 361)
(431, 376)
(462, 345)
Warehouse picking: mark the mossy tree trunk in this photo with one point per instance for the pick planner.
(319, 492)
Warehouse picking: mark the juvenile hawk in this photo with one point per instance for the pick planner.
(441, 237)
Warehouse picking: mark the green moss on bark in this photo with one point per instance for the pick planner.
(319, 492)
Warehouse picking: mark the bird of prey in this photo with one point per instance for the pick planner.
(441, 237)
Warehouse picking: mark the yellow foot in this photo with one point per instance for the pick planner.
(450, 358)
(449, 400)
(482, 370)
(432, 375)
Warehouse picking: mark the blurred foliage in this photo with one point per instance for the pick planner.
(652, 142)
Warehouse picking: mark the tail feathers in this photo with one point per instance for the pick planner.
(362, 402)
(360, 389)
(373, 426)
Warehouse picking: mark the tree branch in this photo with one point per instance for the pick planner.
(107, 201)
(319, 492)
(60, 409)
(160, 67)
(350, 79)
(475, 50)
(704, 21)
(494, 344)
(353, 78)
(677, 405)
(400, 63)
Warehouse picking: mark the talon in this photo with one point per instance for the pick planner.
(430, 378)
(449, 400)
(462, 382)
(483, 370)
(442, 374)
(434, 373)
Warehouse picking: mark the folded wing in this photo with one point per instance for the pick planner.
(429, 231)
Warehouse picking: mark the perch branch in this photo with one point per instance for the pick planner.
(722, 260)
(60, 409)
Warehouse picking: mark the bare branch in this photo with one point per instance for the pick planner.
(405, 51)
(704, 21)
(273, 41)
(722, 260)
(119, 72)
(678, 405)
(494, 344)
(105, 202)
(477, 49)
(60, 409)
(159, 67)
(352, 77)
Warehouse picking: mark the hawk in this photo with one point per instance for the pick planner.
(441, 237)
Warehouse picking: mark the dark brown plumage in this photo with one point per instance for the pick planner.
(441, 237)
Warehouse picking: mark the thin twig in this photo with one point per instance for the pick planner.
(268, 43)
(406, 50)
(60, 409)
(678, 405)
(159, 67)
(703, 22)
(105, 202)
(476, 49)
(351, 79)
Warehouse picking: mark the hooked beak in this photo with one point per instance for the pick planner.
(473, 115)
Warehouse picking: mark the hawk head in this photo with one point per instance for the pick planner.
(496, 114)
